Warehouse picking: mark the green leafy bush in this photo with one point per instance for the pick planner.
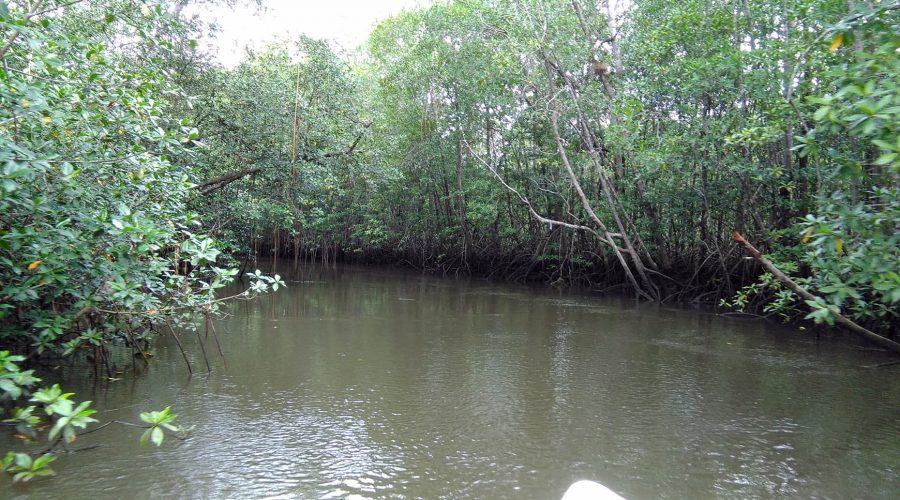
(33, 410)
(97, 243)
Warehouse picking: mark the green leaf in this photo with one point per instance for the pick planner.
(821, 113)
(157, 436)
(12, 390)
(58, 427)
(145, 436)
(23, 460)
(886, 158)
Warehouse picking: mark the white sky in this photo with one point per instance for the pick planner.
(347, 22)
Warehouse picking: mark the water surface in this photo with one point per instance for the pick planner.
(372, 383)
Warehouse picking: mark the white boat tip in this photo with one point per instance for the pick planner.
(589, 490)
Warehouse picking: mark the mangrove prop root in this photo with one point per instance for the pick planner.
(181, 347)
(212, 327)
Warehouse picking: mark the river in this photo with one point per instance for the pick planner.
(373, 383)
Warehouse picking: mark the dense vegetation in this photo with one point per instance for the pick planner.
(563, 142)
(97, 244)
(554, 140)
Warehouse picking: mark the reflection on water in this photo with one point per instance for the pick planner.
(371, 383)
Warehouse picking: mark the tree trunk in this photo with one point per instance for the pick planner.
(461, 201)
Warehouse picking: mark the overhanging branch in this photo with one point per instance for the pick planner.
(806, 295)
(216, 183)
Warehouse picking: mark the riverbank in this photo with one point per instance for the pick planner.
(735, 286)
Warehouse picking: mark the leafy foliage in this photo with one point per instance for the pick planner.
(96, 240)
(158, 421)
(776, 120)
(494, 135)
(25, 468)
(850, 247)
(50, 407)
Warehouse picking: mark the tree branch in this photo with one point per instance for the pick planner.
(806, 295)
(216, 183)
(346, 152)
(36, 8)
(528, 204)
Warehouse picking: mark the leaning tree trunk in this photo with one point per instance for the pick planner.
(806, 295)
(613, 204)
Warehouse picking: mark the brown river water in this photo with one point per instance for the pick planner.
(366, 383)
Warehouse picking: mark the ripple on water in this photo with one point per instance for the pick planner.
(496, 392)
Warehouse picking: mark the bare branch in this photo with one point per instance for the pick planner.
(216, 183)
(528, 205)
